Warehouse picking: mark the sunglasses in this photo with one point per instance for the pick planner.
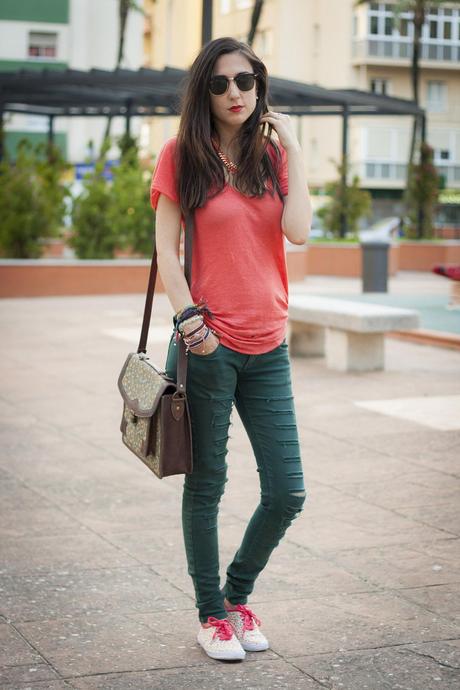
(220, 83)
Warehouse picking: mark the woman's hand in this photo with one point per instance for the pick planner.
(284, 127)
(207, 346)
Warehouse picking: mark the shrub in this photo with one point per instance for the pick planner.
(31, 199)
(350, 200)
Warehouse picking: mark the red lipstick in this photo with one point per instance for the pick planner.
(236, 108)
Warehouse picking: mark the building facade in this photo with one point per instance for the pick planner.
(65, 34)
(334, 44)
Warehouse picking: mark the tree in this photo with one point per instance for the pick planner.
(254, 21)
(93, 235)
(130, 215)
(124, 7)
(422, 194)
(349, 200)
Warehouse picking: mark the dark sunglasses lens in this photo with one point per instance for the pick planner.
(218, 85)
(245, 82)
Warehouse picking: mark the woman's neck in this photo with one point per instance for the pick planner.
(227, 141)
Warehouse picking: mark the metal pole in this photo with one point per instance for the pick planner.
(128, 118)
(2, 132)
(420, 209)
(343, 216)
(206, 22)
(50, 130)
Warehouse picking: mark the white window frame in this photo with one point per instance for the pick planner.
(43, 39)
(436, 105)
(225, 6)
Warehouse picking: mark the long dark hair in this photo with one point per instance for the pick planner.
(200, 171)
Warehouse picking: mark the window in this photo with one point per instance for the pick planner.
(225, 6)
(388, 26)
(436, 97)
(42, 45)
(263, 42)
(379, 86)
(404, 27)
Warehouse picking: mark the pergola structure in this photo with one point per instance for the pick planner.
(156, 93)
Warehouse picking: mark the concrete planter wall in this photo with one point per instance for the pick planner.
(44, 277)
(340, 259)
(421, 256)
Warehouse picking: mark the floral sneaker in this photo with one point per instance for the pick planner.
(219, 641)
(246, 626)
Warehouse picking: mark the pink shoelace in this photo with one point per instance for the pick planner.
(249, 617)
(223, 627)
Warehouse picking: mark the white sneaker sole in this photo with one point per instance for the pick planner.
(224, 655)
(255, 646)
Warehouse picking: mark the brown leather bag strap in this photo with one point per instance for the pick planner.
(181, 355)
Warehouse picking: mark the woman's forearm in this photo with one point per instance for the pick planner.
(173, 279)
(297, 213)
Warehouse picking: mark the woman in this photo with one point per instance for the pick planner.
(233, 319)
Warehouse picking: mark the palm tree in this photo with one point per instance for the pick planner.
(124, 7)
(255, 16)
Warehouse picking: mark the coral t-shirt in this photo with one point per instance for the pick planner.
(239, 258)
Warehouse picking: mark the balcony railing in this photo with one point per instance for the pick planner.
(391, 48)
(385, 171)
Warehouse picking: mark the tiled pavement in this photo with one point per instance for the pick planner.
(362, 593)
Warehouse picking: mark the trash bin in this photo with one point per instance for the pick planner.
(374, 271)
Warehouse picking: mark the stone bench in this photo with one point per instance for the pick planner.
(350, 334)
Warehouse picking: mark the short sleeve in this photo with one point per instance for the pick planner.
(164, 175)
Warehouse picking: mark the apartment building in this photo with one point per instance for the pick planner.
(61, 34)
(334, 44)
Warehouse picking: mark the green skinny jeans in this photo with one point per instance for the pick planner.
(260, 387)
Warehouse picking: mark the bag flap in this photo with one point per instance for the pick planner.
(141, 384)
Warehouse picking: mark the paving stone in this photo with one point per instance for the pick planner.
(423, 564)
(20, 676)
(349, 621)
(14, 649)
(444, 600)
(259, 675)
(431, 666)
(61, 592)
(44, 553)
(97, 643)
(424, 488)
(447, 519)
(359, 526)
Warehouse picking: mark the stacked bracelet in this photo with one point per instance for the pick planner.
(189, 311)
(196, 337)
(193, 319)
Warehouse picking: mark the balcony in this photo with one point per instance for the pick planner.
(374, 173)
(381, 49)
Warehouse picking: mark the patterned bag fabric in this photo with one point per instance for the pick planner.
(155, 424)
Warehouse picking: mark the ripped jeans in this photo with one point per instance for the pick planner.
(260, 387)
